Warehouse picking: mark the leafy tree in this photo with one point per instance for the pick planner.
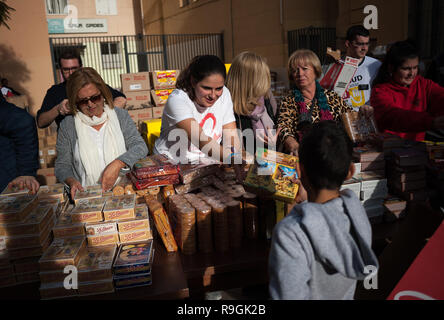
(5, 11)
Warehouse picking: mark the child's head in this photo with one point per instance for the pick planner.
(325, 156)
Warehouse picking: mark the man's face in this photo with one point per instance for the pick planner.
(358, 47)
(68, 66)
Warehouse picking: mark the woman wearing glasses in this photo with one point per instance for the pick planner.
(97, 140)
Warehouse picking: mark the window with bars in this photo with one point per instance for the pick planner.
(56, 6)
(111, 58)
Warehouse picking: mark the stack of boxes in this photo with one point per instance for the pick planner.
(47, 154)
(163, 83)
(25, 233)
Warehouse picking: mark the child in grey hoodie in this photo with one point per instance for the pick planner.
(323, 246)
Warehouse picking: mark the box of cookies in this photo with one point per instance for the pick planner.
(55, 290)
(96, 263)
(103, 239)
(96, 287)
(120, 207)
(62, 252)
(67, 228)
(55, 191)
(33, 224)
(102, 228)
(13, 191)
(90, 192)
(132, 281)
(133, 259)
(141, 221)
(88, 210)
(15, 209)
(135, 236)
(27, 241)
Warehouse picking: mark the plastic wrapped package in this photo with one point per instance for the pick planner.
(161, 222)
(191, 172)
(235, 218)
(251, 217)
(154, 166)
(194, 185)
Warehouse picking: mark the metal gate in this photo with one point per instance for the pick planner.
(114, 55)
(315, 39)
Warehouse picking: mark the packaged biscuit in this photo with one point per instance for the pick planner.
(160, 97)
(191, 172)
(56, 290)
(359, 128)
(96, 263)
(52, 276)
(37, 251)
(67, 228)
(96, 287)
(88, 210)
(125, 282)
(141, 221)
(154, 166)
(88, 193)
(154, 181)
(13, 191)
(96, 229)
(164, 79)
(56, 191)
(135, 236)
(195, 184)
(56, 205)
(162, 223)
(103, 240)
(121, 207)
(62, 252)
(133, 259)
(33, 224)
(27, 241)
(15, 209)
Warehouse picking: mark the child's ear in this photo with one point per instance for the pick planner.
(351, 171)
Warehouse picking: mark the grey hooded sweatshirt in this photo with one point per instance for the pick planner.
(319, 251)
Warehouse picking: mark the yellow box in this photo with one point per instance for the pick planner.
(151, 131)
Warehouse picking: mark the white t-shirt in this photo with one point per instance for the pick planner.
(180, 107)
(361, 84)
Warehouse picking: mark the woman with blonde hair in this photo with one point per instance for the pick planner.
(97, 142)
(253, 103)
(308, 102)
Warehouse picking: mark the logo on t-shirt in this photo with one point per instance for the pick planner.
(208, 124)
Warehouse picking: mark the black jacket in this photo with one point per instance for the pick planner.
(19, 144)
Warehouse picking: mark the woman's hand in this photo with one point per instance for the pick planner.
(74, 185)
(28, 182)
(291, 146)
(110, 174)
(366, 111)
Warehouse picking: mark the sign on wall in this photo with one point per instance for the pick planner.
(57, 26)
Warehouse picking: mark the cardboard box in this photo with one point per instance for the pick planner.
(157, 112)
(138, 100)
(164, 79)
(160, 97)
(141, 115)
(135, 82)
(339, 75)
(51, 140)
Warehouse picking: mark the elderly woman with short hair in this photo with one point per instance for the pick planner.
(97, 141)
(308, 102)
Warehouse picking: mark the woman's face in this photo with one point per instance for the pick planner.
(304, 75)
(90, 101)
(208, 90)
(407, 72)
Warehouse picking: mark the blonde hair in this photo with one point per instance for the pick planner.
(248, 79)
(81, 78)
(304, 56)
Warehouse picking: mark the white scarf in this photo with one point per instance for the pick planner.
(114, 143)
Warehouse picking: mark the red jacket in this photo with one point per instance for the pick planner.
(407, 111)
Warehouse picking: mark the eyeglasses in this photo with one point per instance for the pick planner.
(93, 99)
(70, 69)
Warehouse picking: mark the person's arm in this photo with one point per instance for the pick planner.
(135, 146)
(389, 116)
(287, 122)
(288, 264)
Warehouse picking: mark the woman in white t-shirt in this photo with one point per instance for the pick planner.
(199, 115)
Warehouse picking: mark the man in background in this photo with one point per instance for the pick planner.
(55, 104)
